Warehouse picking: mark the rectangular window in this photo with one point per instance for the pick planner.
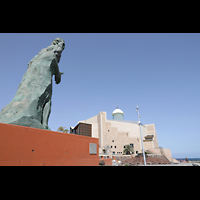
(115, 146)
(132, 145)
(112, 140)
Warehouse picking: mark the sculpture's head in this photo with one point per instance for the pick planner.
(60, 42)
(60, 47)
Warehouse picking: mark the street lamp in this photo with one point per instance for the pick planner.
(137, 111)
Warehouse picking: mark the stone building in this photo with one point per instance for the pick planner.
(116, 133)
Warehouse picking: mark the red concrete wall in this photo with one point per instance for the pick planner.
(36, 147)
(108, 161)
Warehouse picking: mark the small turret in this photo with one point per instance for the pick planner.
(118, 114)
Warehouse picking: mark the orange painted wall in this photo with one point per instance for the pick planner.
(21, 146)
(108, 161)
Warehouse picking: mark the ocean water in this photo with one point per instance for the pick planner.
(189, 159)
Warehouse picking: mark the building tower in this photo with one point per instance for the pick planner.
(118, 114)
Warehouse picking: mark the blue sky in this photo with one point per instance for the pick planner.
(159, 72)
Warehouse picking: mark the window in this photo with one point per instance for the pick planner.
(149, 137)
(132, 145)
(113, 152)
(124, 146)
(110, 146)
(112, 140)
(115, 146)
